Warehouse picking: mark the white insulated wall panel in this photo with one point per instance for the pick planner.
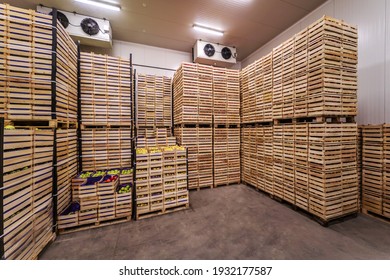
(369, 16)
(151, 56)
(387, 65)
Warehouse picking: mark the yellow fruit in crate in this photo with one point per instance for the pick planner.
(141, 151)
(9, 127)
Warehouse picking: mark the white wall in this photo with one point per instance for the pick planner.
(151, 56)
(373, 21)
(145, 55)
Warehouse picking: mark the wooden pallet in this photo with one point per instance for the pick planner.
(141, 216)
(376, 216)
(316, 119)
(95, 225)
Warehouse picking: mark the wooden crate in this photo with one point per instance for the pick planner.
(226, 149)
(156, 142)
(66, 79)
(198, 140)
(26, 64)
(311, 74)
(105, 90)
(336, 41)
(27, 181)
(226, 96)
(106, 148)
(193, 94)
(123, 204)
(154, 101)
(161, 174)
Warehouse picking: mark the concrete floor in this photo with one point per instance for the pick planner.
(234, 222)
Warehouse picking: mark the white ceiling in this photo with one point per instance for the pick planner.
(248, 24)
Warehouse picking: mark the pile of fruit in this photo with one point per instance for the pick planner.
(174, 148)
(127, 171)
(125, 188)
(85, 175)
(99, 174)
(9, 127)
(141, 151)
(154, 150)
(113, 172)
(110, 178)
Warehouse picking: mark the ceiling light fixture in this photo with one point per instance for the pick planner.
(207, 29)
(101, 5)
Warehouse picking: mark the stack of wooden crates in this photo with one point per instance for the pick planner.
(106, 135)
(376, 169)
(160, 165)
(38, 142)
(206, 118)
(154, 105)
(306, 153)
(106, 119)
(226, 126)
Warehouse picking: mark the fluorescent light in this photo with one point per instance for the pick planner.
(207, 30)
(100, 4)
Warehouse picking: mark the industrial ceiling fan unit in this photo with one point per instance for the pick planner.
(214, 54)
(88, 30)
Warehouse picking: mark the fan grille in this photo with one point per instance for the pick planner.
(90, 26)
(209, 50)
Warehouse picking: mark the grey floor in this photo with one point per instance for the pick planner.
(234, 222)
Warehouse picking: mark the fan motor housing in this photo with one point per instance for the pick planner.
(214, 54)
